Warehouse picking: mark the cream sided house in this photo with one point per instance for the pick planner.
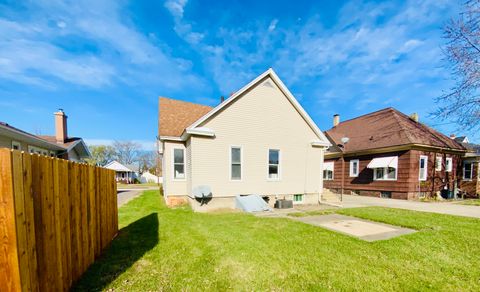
(258, 141)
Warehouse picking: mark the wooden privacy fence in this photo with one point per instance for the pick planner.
(56, 217)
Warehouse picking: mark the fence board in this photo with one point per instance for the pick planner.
(55, 218)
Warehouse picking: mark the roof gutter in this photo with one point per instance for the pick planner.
(393, 149)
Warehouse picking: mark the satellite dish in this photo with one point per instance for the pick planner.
(202, 194)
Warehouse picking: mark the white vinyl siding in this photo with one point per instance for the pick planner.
(448, 164)
(354, 167)
(235, 163)
(467, 170)
(423, 168)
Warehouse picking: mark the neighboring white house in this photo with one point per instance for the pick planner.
(147, 177)
(258, 141)
(123, 173)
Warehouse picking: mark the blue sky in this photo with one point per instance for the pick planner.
(106, 62)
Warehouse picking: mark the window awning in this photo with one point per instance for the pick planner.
(382, 162)
(328, 166)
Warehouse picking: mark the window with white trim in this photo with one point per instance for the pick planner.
(236, 163)
(16, 145)
(354, 165)
(385, 173)
(438, 163)
(423, 163)
(178, 163)
(328, 170)
(273, 164)
(448, 164)
(467, 170)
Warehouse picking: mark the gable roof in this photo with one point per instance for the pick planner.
(386, 128)
(69, 144)
(195, 127)
(176, 115)
(117, 166)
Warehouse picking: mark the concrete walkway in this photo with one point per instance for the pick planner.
(126, 195)
(350, 201)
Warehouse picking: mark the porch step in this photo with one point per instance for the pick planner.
(330, 198)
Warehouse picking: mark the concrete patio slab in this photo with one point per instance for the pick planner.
(360, 228)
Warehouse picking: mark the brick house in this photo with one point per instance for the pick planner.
(389, 154)
(470, 178)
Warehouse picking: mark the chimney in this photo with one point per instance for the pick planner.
(414, 117)
(452, 136)
(336, 120)
(60, 126)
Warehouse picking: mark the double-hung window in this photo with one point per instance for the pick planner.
(467, 170)
(273, 164)
(448, 164)
(423, 163)
(328, 170)
(385, 173)
(178, 163)
(438, 163)
(236, 163)
(354, 165)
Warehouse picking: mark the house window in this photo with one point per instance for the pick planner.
(236, 163)
(438, 163)
(467, 170)
(328, 170)
(448, 164)
(354, 164)
(16, 145)
(273, 164)
(386, 195)
(298, 198)
(422, 175)
(385, 173)
(178, 163)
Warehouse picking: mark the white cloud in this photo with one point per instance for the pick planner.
(176, 7)
(273, 25)
(32, 54)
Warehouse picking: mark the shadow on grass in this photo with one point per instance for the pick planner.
(132, 242)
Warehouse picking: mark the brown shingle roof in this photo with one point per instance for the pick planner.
(176, 115)
(385, 128)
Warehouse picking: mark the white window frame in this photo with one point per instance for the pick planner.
(385, 174)
(353, 161)
(333, 171)
(298, 202)
(448, 164)
(17, 144)
(231, 163)
(438, 163)
(279, 168)
(184, 164)
(423, 157)
(471, 170)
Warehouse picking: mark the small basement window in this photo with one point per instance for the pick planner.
(387, 195)
(298, 198)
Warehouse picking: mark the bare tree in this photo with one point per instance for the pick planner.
(462, 103)
(147, 161)
(126, 151)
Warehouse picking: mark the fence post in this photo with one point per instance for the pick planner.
(9, 264)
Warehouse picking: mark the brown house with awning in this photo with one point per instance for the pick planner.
(389, 154)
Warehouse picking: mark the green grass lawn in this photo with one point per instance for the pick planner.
(136, 186)
(176, 249)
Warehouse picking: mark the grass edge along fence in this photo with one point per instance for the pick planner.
(56, 217)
